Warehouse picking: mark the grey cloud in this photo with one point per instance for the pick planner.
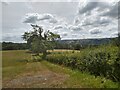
(104, 20)
(5, 2)
(93, 12)
(76, 20)
(31, 18)
(12, 38)
(95, 31)
(112, 12)
(101, 16)
(113, 29)
(88, 6)
(53, 20)
(96, 21)
(64, 34)
(104, 8)
(44, 16)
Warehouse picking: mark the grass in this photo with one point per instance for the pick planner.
(79, 80)
(18, 62)
(15, 58)
(14, 62)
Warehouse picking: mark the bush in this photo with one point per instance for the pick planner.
(101, 61)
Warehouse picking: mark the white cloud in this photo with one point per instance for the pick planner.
(53, 20)
(95, 31)
(86, 6)
(76, 20)
(96, 21)
(31, 18)
(92, 19)
(74, 35)
(115, 33)
(99, 18)
(113, 10)
(64, 34)
(104, 8)
(35, 17)
(75, 28)
(58, 27)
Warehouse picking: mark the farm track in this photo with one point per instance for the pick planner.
(40, 79)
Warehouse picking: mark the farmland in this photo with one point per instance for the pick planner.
(60, 44)
(21, 70)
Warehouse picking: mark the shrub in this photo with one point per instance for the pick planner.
(101, 61)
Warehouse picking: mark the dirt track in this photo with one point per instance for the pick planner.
(41, 79)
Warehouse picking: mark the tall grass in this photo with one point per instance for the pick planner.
(100, 61)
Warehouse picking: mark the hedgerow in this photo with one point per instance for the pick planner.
(102, 61)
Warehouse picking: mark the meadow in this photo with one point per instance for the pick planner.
(22, 70)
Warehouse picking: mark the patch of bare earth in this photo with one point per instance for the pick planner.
(41, 79)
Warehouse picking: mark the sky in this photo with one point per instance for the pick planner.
(81, 19)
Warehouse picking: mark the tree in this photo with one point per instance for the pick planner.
(40, 41)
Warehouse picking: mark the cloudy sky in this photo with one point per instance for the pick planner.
(72, 20)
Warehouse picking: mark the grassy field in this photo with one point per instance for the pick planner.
(20, 71)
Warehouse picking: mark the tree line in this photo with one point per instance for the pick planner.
(14, 46)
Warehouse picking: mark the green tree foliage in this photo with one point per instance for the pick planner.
(40, 41)
(14, 46)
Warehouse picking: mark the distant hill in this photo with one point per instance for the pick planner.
(87, 41)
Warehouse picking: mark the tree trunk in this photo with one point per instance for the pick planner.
(44, 54)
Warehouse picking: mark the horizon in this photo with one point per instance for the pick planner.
(64, 40)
